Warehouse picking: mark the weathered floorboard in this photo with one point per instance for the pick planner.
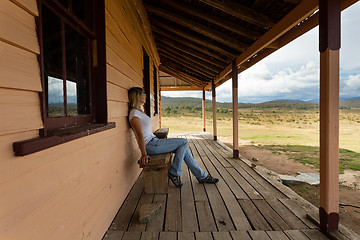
(244, 204)
(259, 235)
(186, 236)
(156, 225)
(167, 236)
(276, 222)
(277, 235)
(314, 234)
(257, 221)
(149, 236)
(240, 235)
(222, 236)
(173, 211)
(295, 235)
(135, 225)
(188, 213)
(286, 214)
(123, 217)
(131, 235)
(113, 235)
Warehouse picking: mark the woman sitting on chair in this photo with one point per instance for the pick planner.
(149, 144)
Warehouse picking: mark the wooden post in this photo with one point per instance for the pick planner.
(160, 108)
(235, 110)
(214, 108)
(329, 37)
(203, 110)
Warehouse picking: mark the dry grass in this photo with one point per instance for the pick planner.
(273, 126)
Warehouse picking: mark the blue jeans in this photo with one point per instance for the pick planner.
(179, 146)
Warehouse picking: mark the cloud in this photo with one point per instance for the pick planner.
(350, 37)
(350, 86)
(56, 91)
(260, 84)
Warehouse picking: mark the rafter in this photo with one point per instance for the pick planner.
(195, 26)
(188, 65)
(186, 78)
(190, 51)
(233, 27)
(196, 61)
(242, 12)
(188, 44)
(230, 53)
(300, 29)
(166, 88)
(181, 68)
(303, 10)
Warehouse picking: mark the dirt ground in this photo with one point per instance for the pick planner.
(281, 164)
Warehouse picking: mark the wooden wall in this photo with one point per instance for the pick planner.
(74, 190)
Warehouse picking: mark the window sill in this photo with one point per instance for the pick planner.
(58, 137)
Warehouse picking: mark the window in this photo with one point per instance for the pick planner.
(73, 72)
(146, 82)
(73, 62)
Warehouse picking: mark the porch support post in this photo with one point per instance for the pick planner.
(329, 45)
(214, 108)
(160, 107)
(203, 109)
(235, 110)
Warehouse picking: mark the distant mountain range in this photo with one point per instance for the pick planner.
(197, 102)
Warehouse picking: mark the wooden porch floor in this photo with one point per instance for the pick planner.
(245, 204)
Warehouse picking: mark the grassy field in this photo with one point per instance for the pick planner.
(294, 132)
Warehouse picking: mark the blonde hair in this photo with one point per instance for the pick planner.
(134, 95)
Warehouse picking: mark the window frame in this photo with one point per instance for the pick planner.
(51, 135)
(146, 82)
(97, 67)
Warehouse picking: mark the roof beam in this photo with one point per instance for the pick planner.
(167, 88)
(242, 12)
(196, 61)
(231, 54)
(303, 10)
(229, 25)
(181, 68)
(187, 64)
(190, 51)
(190, 45)
(306, 25)
(195, 26)
(292, 1)
(184, 77)
(177, 77)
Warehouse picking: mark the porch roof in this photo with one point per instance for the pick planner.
(244, 204)
(197, 40)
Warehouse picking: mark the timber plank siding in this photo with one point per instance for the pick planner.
(73, 190)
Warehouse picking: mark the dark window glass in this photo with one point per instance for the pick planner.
(82, 9)
(77, 72)
(65, 3)
(53, 63)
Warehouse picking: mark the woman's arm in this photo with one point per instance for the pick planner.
(136, 125)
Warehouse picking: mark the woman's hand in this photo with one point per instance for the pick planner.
(144, 160)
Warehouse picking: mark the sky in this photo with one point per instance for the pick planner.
(293, 72)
